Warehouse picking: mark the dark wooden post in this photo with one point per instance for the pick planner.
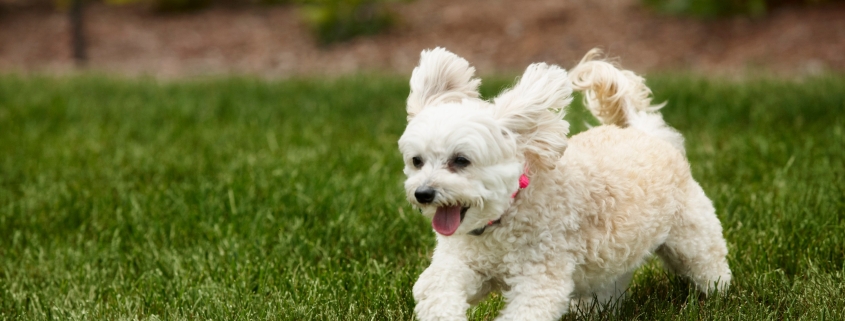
(77, 33)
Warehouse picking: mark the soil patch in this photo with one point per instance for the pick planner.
(497, 36)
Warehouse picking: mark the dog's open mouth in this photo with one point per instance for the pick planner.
(447, 219)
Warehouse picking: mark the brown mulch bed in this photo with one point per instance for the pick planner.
(497, 36)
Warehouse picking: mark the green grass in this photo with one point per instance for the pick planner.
(243, 199)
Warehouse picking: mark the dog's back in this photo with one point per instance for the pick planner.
(637, 188)
(633, 187)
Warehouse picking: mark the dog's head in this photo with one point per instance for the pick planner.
(463, 155)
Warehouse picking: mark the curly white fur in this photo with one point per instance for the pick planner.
(597, 206)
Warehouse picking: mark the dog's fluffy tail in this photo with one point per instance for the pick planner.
(620, 97)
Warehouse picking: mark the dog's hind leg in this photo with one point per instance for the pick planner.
(695, 247)
(609, 296)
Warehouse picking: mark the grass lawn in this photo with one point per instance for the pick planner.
(244, 199)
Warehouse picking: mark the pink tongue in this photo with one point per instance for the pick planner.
(446, 220)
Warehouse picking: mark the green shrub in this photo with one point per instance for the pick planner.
(330, 20)
(720, 8)
(709, 8)
(339, 20)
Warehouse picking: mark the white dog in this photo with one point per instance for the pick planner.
(553, 223)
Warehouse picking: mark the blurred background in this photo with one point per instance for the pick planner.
(282, 38)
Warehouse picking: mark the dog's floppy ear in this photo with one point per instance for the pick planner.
(533, 111)
(441, 77)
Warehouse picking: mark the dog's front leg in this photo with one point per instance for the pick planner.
(536, 297)
(443, 289)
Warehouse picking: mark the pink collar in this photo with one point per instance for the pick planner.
(523, 183)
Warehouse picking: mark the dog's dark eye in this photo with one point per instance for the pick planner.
(417, 161)
(460, 162)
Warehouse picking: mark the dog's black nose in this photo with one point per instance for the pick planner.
(424, 194)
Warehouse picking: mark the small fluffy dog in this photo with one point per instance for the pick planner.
(553, 223)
